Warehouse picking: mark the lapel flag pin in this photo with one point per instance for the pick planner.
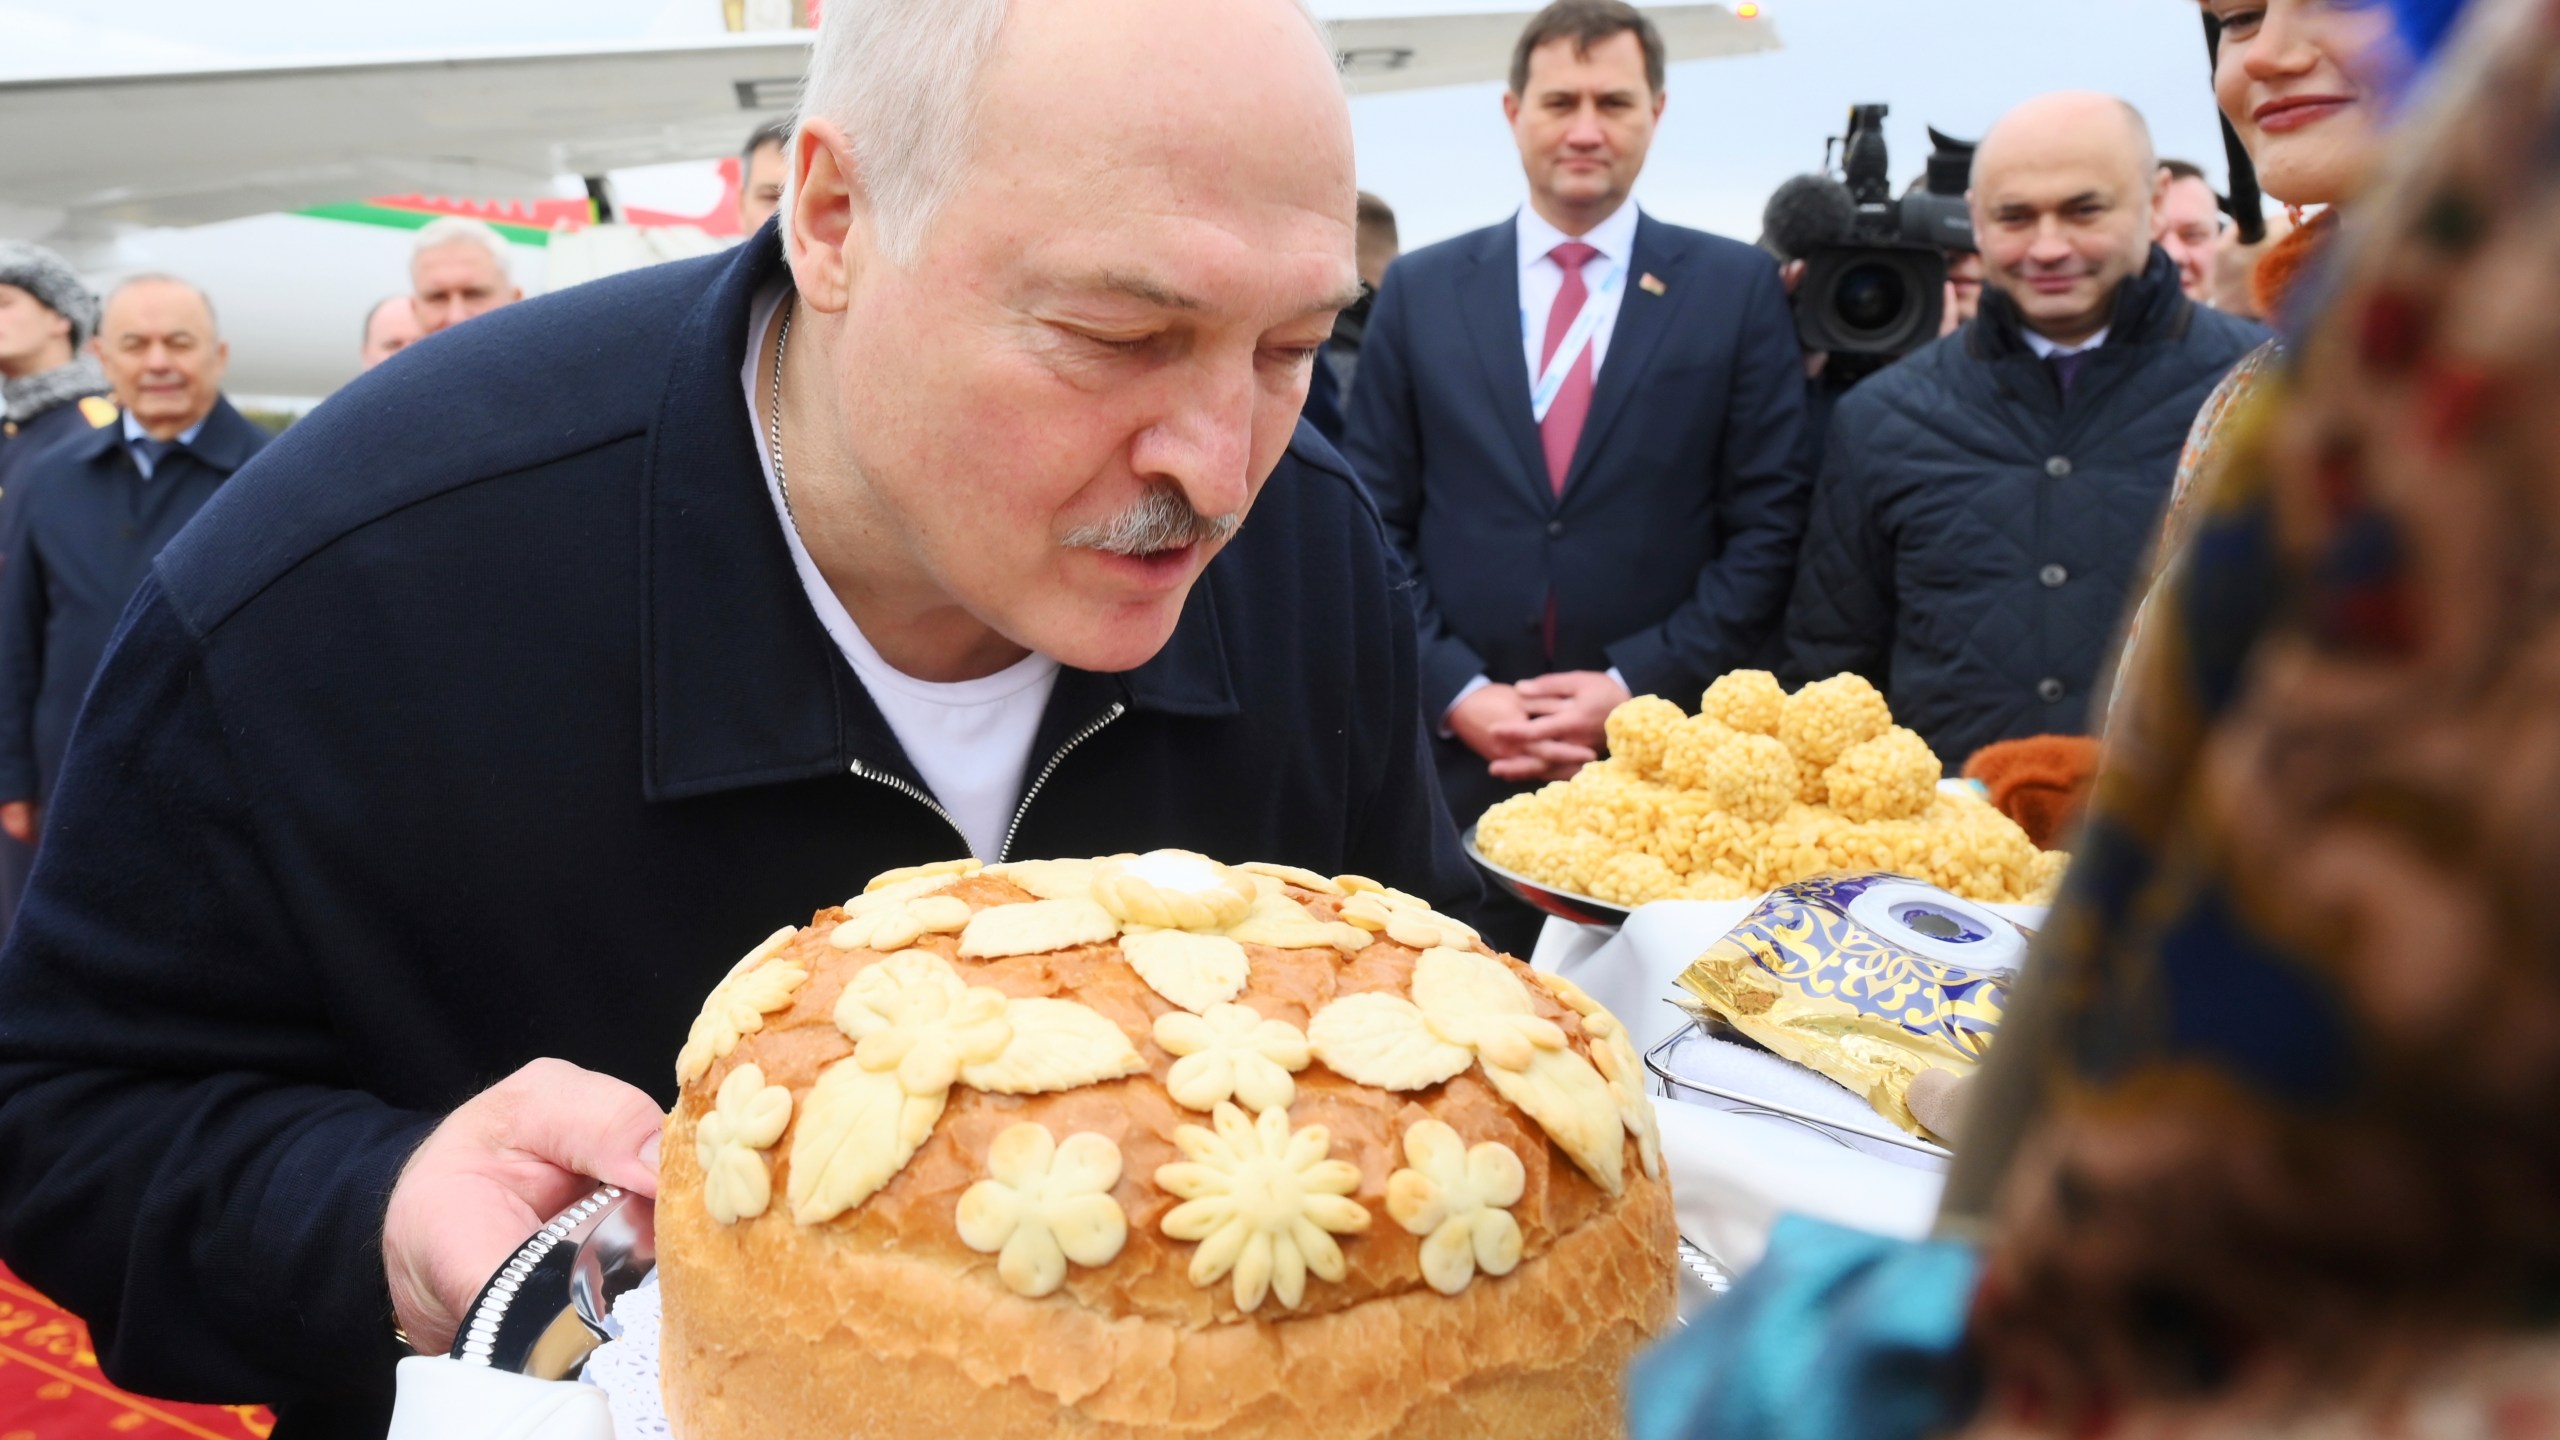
(1652, 284)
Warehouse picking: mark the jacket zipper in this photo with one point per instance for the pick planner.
(1091, 729)
(883, 777)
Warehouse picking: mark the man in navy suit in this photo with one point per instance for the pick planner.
(1581, 426)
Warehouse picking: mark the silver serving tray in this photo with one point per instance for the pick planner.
(552, 1301)
(1829, 1127)
(1563, 904)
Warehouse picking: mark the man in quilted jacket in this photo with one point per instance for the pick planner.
(1983, 506)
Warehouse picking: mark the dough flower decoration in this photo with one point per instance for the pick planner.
(1231, 1052)
(900, 923)
(746, 1118)
(1174, 890)
(737, 1005)
(1613, 1050)
(1044, 1204)
(1467, 1008)
(1458, 1199)
(1408, 920)
(1263, 1203)
(918, 1029)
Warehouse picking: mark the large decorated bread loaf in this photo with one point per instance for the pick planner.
(1154, 1147)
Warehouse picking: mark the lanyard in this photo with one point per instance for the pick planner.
(1576, 340)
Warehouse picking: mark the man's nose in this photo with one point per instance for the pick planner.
(2050, 246)
(1586, 132)
(1204, 443)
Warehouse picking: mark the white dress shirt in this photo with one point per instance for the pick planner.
(970, 741)
(1541, 277)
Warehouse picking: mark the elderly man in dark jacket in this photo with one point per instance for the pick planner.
(907, 530)
(98, 507)
(1985, 505)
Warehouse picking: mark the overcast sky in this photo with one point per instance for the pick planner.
(1735, 127)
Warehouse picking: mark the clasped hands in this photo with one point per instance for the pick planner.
(1541, 729)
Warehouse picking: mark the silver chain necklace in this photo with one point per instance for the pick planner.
(773, 417)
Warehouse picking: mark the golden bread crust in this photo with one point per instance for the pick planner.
(883, 1322)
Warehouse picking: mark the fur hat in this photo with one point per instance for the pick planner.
(50, 279)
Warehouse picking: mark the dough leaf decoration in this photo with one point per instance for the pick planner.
(1193, 971)
(1614, 1051)
(1263, 1203)
(1050, 879)
(1569, 1100)
(857, 1129)
(745, 1119)
(737, 1005)
(1037, 928)
(1459, 1200)
(1231, 1052)
(1292, 875)
(1055, 1045)
(1383, 1040)
(945, 871)
(1284, 924)
(1043, 1205)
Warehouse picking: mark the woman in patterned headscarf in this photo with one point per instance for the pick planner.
(2267, 1147)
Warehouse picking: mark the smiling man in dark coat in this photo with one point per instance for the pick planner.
(1984, 505)
(429, 751)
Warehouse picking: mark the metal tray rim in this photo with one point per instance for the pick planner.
(1886, 1134)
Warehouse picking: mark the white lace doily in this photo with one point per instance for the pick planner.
(626, 1370)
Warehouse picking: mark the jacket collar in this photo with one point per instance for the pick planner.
(2148, 307)
(224, 444)
(741, 685)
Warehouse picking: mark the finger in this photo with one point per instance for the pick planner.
(1563, 752)
(582, 1122)
(1519, 768)
(1548, 685)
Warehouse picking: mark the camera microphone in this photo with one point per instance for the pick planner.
(1805, 212)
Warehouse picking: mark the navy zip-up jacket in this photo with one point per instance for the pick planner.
(435, 746)
(87, 529)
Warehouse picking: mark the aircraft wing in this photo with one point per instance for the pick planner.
(203, 143)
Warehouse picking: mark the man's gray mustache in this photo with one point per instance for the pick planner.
(1161, 520)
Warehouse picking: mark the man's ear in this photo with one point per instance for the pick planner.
(826, 216)
(1510, 108)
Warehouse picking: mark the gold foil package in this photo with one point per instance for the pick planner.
(1869, 979)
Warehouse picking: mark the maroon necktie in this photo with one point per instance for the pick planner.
(1562, 429)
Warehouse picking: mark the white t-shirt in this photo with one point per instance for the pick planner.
(970, 741)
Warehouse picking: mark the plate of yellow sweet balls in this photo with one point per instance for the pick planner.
(1153, 1146)
(1760, 788)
